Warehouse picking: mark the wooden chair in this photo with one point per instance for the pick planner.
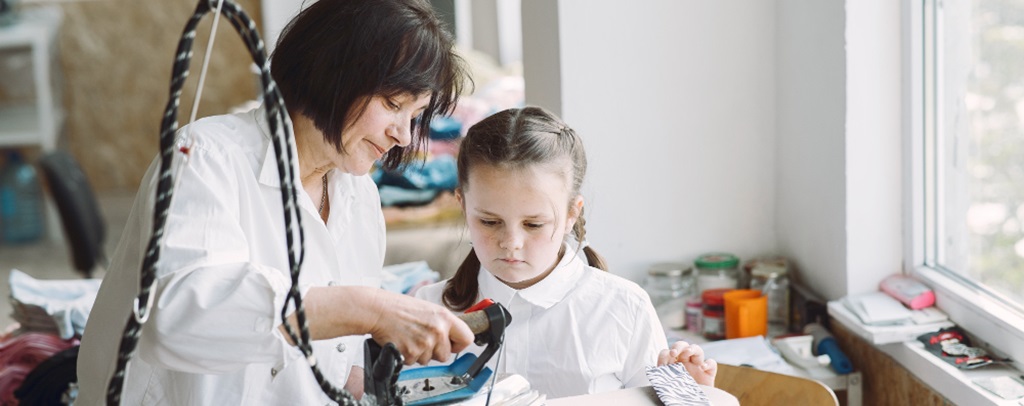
(754, 387)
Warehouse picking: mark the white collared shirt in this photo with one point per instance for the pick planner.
(212, 337)
(580, 330)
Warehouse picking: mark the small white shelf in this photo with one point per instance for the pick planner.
(19, 125)
(37, 122)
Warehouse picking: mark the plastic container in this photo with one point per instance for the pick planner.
(21, 201)
(773, 281)
(717, 271)
(713, 313)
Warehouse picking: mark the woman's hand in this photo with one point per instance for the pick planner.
(692, 357)
(421, 330)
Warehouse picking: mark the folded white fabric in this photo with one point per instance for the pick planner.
(675, 386)
(57, 306)
(509, 390)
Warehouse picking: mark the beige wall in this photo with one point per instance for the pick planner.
(116, 60)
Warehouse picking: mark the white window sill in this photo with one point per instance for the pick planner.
(953, 384)
(946, 380)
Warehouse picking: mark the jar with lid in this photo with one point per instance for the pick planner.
(694, 313)
(713, 313)
(749, 265)
(773, 281)
(668, 284)
(717, 270)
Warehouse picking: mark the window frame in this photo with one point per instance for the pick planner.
(994, 324)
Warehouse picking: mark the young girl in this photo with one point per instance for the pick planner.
(576, 329)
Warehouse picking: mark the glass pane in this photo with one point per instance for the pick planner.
(980, 143)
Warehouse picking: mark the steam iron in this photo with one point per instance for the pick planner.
(465, 377)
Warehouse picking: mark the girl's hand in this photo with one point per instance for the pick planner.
(692, 357)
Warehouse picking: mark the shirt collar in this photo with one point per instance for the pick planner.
(268, 168)
(550, 290)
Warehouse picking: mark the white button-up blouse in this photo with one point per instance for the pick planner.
(580, 330)
(212, 337)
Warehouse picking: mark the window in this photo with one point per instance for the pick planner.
(967, 171)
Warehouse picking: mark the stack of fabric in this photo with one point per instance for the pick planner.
(421, 183)
(49, 319)
(408, 277)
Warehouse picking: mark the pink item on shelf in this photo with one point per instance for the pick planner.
(908, 291)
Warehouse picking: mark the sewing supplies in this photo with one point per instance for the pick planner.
(954, 347)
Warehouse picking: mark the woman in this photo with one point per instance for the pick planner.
(361, 80)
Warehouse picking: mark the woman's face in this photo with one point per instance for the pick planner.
(517, 220)
(384, 124)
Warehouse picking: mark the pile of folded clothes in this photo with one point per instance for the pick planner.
(38, 352)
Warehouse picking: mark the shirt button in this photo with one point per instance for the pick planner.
(340, 347)
(273, 372)
(331, 283)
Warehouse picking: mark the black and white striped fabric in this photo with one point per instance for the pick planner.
(675, 386)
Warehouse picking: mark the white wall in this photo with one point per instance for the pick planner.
(276, 15)
(811, 124)
(839, 142)
(676, 104)
(873, 143)
(748, 126)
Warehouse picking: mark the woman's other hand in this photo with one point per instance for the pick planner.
(692, 357)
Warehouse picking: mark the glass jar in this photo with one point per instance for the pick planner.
(694, 313)
(668, 284)
(717, 270)
(749, 265)
(773, 281)
(713, 313)
(667, 281)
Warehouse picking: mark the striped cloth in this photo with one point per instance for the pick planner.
(675, 386)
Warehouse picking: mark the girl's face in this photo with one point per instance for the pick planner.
(517, 220)
(384, 124)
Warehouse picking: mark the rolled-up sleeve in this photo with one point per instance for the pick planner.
(217, 308)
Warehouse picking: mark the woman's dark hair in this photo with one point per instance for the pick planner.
(517, 139)
(336, 54)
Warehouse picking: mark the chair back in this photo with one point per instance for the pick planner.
(754, 387)
(80, 215)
